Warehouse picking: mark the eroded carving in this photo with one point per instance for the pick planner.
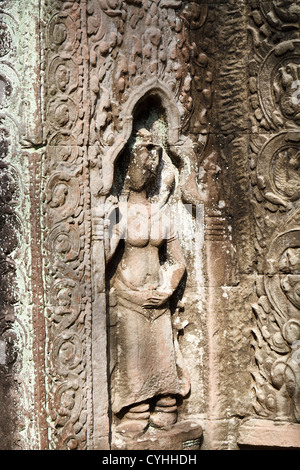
(66, 224)
(104, 61)
(145, 358)
(275, 179)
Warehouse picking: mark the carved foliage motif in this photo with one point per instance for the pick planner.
(275, 171)
(159, 43)
(66, 222)
(17, 429)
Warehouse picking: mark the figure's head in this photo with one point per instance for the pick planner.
(144, 161)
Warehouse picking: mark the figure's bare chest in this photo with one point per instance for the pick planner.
(144, 226)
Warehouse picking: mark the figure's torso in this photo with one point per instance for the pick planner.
(144, 234)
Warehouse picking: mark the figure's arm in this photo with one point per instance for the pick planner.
(173, 275)
(106, 227)
(113, 232)
(177, 268)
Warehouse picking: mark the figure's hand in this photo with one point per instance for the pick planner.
(111, 204)
(185, 147)
(156, 298)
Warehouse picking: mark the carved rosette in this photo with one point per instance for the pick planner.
(275, 171)
(66, 224)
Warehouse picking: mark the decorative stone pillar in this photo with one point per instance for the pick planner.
(274, 172)
(22, 391)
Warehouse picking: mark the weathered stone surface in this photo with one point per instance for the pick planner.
(262, 433)
(149, 224)
(181, 436)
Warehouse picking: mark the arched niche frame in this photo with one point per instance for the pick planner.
(152, 88)
(182, 152)
(100, 436)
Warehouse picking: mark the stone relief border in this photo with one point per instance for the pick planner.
(66, 228)
(274, 172)
(19, 323)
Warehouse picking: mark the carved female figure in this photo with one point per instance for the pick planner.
(147, 371)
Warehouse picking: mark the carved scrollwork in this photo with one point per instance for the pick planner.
(282, 268)
(10, 85)
(62, 195)
(278, 168)
(64, 241)
(68, 417)
(16, 297)
(175, 61)
(111, 7)
(67, 352)
(277, 85)
(66, 220)
(278, 330)
(5, 39)
(274, 162)
(62, 113)
(63, 75)
(63, 148)
(282, 15)
(61, 32)
(64, 307)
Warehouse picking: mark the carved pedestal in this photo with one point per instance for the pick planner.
(267, 434)
(186, 435)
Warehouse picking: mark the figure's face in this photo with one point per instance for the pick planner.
(144, 166)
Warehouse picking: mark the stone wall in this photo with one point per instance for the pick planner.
(203, 98)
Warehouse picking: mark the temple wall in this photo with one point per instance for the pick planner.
(213, 86)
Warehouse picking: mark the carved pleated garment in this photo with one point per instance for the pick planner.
(145, 358)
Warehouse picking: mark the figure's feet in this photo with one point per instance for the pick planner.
(165, 413)
(132, 428)
(135, 421)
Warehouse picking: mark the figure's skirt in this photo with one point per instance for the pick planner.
(145, 357)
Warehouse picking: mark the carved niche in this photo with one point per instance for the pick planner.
(144, 65)
(110, 70)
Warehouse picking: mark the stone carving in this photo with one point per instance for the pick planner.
(172, 58)
(146, 365)
(278, 325)
(275, 180)
(278, 169)
(282, 15)
(103, 62)
(155, 70)
(117, 332)
(18, 322)
(66, 223)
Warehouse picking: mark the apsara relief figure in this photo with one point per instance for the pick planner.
(147, 371)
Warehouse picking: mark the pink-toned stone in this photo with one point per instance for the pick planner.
(267, 433)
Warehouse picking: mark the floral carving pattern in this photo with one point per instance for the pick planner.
(66, 223)
(274, 161)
